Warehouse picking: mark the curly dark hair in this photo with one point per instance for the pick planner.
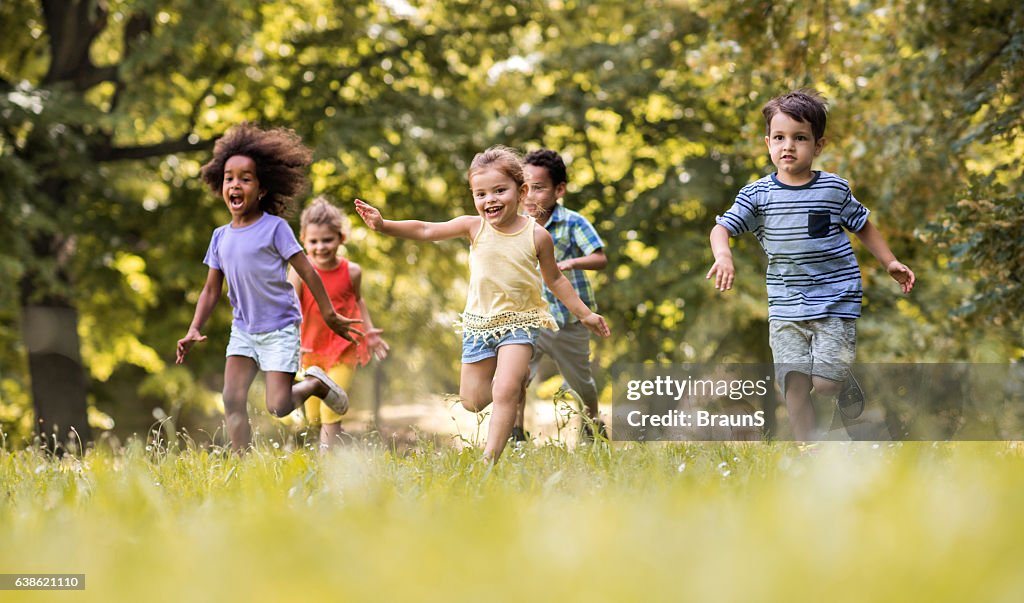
(281, 161)
(546, 158)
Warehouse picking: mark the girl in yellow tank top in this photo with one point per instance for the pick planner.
(509, 254)
(504, 283)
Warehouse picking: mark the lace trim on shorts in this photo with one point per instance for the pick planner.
(497, 325)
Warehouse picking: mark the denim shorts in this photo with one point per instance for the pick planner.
(276, 351)
(481, 347)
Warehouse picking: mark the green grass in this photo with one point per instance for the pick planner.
(702, 522)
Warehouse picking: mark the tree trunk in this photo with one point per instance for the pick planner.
(58, 377)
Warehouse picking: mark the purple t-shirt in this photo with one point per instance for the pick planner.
(254, 260)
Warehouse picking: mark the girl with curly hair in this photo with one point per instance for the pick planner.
(258, 173)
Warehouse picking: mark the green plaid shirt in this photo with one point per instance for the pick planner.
(574, 237)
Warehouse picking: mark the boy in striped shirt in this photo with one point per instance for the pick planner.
(814, 287)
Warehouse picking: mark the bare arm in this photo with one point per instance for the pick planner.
(296, 281)
(378, 347)
(876, 244)
(342, 325)
(463, 226)
(595, 261)
(208, 299)
(723, 269)
(561, 286)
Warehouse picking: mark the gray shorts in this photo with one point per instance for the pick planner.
(823, 347)
(569, 347)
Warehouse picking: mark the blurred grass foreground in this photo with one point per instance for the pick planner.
(710, 522)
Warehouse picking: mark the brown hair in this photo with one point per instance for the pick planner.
(281, 162)
(499, 157)
(323, 212)
(806, 104)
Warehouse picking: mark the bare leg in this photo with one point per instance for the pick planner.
(285, 395)
(826, 387)
(306, 388)
(239, 373)
(799, 406)
(475, 384)
(510, 375)
(280, 402)
(330, 435)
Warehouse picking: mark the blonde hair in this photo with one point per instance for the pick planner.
(323, 212)
(499, 157)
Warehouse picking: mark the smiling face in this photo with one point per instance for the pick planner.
(321, 242)
(241, 190)
(543, 194)
(792, 147)
(497, 197)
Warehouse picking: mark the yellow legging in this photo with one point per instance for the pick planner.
(318, 413)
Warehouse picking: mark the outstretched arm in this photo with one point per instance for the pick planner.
(342, 325)
(204, 307)
(723, 269)
(561, 286)
(378, 347)
(463, 226)
(876, 244)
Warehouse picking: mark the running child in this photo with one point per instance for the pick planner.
(258, 173)
(323, 230)
(814, 285)
(504, 305)
(577, 248)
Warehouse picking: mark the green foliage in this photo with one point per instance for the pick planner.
(655, 106)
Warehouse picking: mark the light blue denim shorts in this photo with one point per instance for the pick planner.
(479, 347)
(273, 351)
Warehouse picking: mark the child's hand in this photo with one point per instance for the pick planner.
(185, 343)
(565, 265)
(342, 325)
(378, 347)
(724, 272)
(370, 215)
(595, 322)
(902, 275)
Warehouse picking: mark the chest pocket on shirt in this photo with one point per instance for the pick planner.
(819, 221)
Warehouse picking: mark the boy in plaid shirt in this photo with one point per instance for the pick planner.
(577, 248)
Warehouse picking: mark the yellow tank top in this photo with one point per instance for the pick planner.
(504, 284)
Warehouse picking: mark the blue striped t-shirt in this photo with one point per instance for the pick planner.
(812, 271)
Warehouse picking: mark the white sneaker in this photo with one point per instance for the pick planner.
(336, 399)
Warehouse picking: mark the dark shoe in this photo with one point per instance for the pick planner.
(518, 434)
(588, 429)
(851, 398)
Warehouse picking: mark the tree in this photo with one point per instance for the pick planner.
(105, 108)
(101, 97)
